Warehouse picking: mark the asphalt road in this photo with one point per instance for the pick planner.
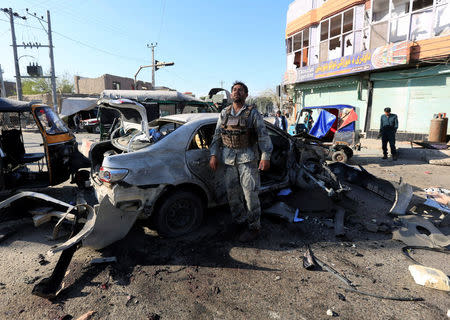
(209, 276)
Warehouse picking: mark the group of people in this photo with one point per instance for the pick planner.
(242, 141)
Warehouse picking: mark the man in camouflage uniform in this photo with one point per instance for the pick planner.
(240, 131)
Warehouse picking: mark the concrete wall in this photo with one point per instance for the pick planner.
(106, 82)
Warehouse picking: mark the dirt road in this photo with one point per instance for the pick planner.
(209, 276)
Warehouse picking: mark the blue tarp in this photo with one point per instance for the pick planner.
(323, 124)
(333, 106)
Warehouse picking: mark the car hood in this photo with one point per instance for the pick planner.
(133, 114)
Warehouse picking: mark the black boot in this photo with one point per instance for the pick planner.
(394, 157)
(384, 156)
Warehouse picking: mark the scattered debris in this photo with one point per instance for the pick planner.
(339, 222)
(282, 210)
(277, 278)
(331, 313)
(430, 277)
(309, 263)
(438, 198)
(103, 260)
(371, 227)
(341, 297)
(284, 192)
(86, 316)
(351, 286)
(403, 195)
(154, 316)
(410, 235)
(440, 162)
(296, 218)
(42, 260)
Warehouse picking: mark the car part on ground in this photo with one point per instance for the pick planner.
(417, 231)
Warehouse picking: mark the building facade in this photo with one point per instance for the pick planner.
(107, 82)
(371, 54)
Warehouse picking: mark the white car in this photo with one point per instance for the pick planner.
(160, 169)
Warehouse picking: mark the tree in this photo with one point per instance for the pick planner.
(64, 84)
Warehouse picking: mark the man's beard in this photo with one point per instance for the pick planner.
(239, 100)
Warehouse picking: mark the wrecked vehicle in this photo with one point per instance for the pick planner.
(334, 128)
(159, 170)
(60, 159)
(158, 103)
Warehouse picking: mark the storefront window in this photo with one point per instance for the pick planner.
(348, 21)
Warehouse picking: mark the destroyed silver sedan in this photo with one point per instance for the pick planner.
(159, 170)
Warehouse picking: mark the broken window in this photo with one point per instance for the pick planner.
(324, 30)
(289, 45)
(399, 29)
(399, 8)
(335, 48)
(203, 137)
(421, 25)
(116, 85)
(365, 40)
(442, 20)
(298, 41)
(421, 4)
(348, 21)
(348, 44)
(380, 10)
(166, 109)
(378, 35)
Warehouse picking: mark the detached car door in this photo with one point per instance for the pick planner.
(197, 160)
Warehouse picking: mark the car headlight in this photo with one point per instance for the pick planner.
(112, 175)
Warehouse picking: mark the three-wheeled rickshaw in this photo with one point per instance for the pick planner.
(60, 160)
(334, 128)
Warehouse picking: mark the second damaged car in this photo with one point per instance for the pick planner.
(159, 170)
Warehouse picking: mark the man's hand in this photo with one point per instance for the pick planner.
(213, 163)
(264, 165)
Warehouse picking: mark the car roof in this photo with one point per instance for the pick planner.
(190, 117)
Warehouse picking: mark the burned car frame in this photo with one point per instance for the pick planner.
(159, 170)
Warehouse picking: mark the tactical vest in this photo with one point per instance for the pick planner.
(235, 132)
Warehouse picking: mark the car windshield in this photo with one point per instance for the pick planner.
(49, 120)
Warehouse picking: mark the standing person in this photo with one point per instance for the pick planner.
(388, 128)
(240, 131)
(76, 122)
(280, 121)
(308, 120)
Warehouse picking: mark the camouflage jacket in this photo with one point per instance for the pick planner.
(244, 155)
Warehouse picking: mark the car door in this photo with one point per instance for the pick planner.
(197, 159)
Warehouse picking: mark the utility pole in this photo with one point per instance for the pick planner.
(50, 54)
(52, 63)
(3, 95)
(14, 45)
(155, 65)
(152, 46)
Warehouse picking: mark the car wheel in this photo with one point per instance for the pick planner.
(97, 129)
(339, 156)
(180, 212)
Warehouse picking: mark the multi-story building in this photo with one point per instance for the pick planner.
(371, 54)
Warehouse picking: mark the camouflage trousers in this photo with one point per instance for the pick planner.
(242, 184)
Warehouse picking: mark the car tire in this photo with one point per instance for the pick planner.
(180, 212)
(97, 129)
(339, 156)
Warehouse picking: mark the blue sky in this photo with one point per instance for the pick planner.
(209, 41)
